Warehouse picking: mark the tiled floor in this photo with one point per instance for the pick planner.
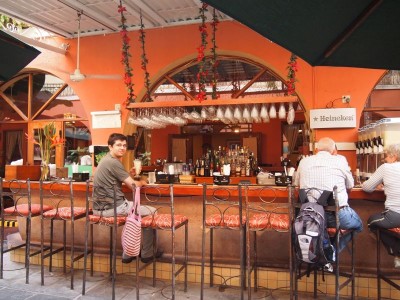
(57, 286)
(99, 287)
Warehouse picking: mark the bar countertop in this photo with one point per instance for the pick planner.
(197, 190)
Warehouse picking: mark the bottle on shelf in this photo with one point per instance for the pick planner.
(248, 168)
(201, 172)
(207, 168)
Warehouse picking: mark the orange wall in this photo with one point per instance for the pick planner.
(167, 47)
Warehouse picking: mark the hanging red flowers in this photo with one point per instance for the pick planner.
(144, 60)
(214, 62)
(202, 74)
(292, 69)
(125, 55)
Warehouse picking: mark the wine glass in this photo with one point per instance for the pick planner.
(237, 114)
(282, 111)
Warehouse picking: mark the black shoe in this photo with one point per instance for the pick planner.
(126, 259)
(146, 260)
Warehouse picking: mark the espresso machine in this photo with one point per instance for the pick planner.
(372, 140)
(390, 133)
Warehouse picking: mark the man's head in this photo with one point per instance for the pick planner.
(327, 144)
(117, 144)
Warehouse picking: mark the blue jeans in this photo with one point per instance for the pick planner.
(348, 219)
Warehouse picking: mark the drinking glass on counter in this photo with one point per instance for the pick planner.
(152, 177)
(137, 163)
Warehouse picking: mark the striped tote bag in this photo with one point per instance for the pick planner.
(132, 231)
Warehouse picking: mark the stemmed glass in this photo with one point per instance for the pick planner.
(237, 114)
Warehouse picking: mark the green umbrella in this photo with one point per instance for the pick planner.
(14, 55)
(356, 33)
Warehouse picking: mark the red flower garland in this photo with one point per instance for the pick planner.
(214, 62)
(292, 69)
(125, 57)
(202, 74)
(144, 61)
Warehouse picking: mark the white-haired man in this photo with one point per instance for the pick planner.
(324, 171)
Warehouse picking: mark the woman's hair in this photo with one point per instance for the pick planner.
(115, 137)
(326, 144)
(394, 150)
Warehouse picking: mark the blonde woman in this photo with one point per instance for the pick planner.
(387, 174)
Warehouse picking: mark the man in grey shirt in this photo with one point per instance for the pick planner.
(111, 173)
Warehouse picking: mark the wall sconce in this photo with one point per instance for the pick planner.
(236, 129)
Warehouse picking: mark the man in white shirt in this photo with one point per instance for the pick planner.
(325, 170)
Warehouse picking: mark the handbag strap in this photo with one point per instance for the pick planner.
(136, 205)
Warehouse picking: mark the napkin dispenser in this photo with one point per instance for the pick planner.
(80, 176)
(221, 179)
(283, 180)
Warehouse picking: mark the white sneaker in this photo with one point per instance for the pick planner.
(397, 262)
(329, 268)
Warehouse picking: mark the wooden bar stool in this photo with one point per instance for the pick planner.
(20, 192)
(113, 223)
(157, 203)
(380, 274)
(334, 233)
(222, 209)
(266, 212)
(59, 194)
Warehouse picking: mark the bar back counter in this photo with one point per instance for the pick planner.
(272, 250)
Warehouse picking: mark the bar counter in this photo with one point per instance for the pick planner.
(273, 246)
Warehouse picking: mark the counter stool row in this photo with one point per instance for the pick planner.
(246, 209)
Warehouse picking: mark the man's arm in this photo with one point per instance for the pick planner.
(129, 181)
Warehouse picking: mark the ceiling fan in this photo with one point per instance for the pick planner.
(78, 76)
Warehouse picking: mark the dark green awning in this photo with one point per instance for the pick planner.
(14, 55)
(356, 33)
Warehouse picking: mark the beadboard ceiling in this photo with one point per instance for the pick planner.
(60, 17)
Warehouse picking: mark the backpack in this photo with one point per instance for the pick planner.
(311, 241)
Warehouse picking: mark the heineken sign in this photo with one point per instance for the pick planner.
(333, 118)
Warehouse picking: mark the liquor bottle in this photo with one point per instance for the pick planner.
(233, 168)
(238, 168)
(251, 162)
(212, 166)
(207, 168)
(197, 168)
(217, 167)
(248, 168)
(201, 172)
(243, 168)
(191, 169)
